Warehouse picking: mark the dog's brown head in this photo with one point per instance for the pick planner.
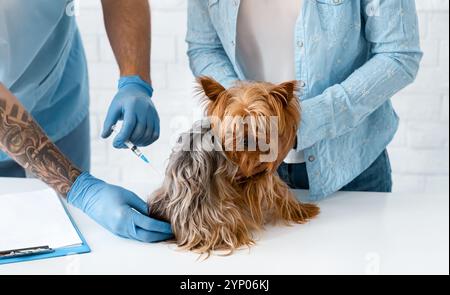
(249, 118)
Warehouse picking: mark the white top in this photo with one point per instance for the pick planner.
(266, 44)
(356, 233)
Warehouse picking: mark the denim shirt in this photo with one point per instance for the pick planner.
(352, 56)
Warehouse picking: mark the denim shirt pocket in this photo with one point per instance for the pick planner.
(335, 15)
(387, 24)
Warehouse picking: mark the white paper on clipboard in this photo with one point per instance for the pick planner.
(35, 219)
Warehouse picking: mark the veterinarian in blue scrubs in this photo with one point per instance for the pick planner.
(350, 56)
(42, 62)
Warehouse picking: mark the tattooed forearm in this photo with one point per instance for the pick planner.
(24, 141)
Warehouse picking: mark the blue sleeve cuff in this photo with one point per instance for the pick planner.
(136, 80)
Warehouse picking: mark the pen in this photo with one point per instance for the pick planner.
(133, 148)
(25, 252)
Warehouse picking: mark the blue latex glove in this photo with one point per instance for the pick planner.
(117, 209)
(134, 106)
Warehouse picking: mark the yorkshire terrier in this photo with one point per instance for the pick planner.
(210, 194)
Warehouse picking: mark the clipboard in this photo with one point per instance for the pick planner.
(44, 252)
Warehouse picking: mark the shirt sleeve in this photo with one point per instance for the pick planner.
(391, 28)
(207, 56)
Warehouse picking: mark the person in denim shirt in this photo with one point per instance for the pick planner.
(350, 56)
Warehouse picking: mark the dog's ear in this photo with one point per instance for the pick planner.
(210, 87)
(285, 92)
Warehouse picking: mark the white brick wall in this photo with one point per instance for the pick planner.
(419, 153)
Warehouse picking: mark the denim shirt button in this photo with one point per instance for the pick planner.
(300, 44)
(302, 84)
(337, 1)
(311, 158)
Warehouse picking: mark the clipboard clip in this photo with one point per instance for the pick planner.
(25, 252)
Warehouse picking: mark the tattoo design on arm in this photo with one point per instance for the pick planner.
(24, 141)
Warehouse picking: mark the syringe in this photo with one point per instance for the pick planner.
(133, 148)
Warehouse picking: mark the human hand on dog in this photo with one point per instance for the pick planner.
(117, 209)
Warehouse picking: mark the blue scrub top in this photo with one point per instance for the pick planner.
(42, 62)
